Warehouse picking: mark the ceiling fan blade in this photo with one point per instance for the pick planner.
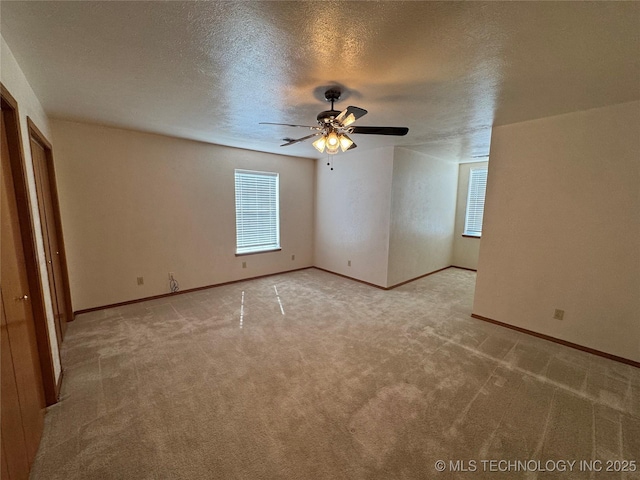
(291, 142)
(350, 115)
(381, 130)
(315, 127)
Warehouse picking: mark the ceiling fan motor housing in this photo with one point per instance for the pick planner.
(327, 116)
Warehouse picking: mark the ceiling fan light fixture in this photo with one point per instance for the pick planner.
(333, 127)
(345, 143)
(320, 143)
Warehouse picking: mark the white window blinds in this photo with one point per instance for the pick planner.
(257, 211)
(475, 202)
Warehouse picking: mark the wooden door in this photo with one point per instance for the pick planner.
(50, 236)
(15, 459)
(23, 400)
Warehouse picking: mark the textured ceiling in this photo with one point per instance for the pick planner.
(211, 71)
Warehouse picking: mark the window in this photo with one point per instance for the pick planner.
(257, 212)
(475, 202)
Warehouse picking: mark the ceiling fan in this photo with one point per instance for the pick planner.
(334, 127)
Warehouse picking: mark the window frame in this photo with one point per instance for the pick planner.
(468, 230)
(247, 249)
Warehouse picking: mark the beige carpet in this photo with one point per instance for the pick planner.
(352, 382)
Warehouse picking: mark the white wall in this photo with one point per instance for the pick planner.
(353, 204)
(562, 229)
(466, 250)
(16, 83)
(423, 201)
(141, 205)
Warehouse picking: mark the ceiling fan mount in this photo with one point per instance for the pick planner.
(334, 126)
(332, 95)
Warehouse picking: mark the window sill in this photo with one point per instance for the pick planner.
(258, 251)
(472, 236)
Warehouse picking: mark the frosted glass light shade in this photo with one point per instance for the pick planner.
(320, 143)
(345, 143)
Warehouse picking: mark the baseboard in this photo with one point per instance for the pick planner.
(189, 290)
(465, 268)
(350, 278)
(392, 286)
(549, 338)
(417, 278)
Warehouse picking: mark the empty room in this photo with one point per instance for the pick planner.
(320, 240)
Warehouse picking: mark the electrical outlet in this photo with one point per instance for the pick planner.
(348, 263)
(244, 264)
(140, 280)
(170, 275)
(559, 314)
(293, 257)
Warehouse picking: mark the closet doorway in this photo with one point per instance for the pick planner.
(27, 373)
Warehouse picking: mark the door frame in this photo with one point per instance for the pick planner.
(35, 132)
(28, 237)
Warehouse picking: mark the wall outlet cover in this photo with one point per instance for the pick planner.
(559, 314)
